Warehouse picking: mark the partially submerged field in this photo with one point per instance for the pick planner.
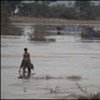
(57, 66)
(51, 20)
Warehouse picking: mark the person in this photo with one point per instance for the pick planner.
(26, 62)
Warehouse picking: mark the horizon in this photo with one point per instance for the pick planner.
(66, 2)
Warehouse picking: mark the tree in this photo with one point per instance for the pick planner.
(96, 10)
(6, 27)
(11, 5)
(4, 14)
(70, 4)
(26, 9)
(41, 8)
(85, 8)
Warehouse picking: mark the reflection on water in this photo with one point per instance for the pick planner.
(68, 56)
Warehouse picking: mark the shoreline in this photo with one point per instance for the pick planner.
(51, 20)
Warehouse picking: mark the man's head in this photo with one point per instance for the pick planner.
(25, 49)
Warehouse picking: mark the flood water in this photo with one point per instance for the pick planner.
(68, 56)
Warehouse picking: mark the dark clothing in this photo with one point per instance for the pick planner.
(25, 63)
(26, 56)
(26, 60)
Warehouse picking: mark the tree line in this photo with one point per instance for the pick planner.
(6, 26)
(82, 10)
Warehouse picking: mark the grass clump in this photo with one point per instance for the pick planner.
(86, 95)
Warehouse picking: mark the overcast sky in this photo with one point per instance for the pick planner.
(66, 2)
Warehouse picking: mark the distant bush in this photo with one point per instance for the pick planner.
(97, 34)
(40, 33)
(89, 33)
(6, 27)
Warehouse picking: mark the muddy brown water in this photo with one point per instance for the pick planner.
(54, 62)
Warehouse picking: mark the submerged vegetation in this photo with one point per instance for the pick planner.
(74, 78)
(86, 95)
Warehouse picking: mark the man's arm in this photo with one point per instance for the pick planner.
(23, 56)
(29, 57)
